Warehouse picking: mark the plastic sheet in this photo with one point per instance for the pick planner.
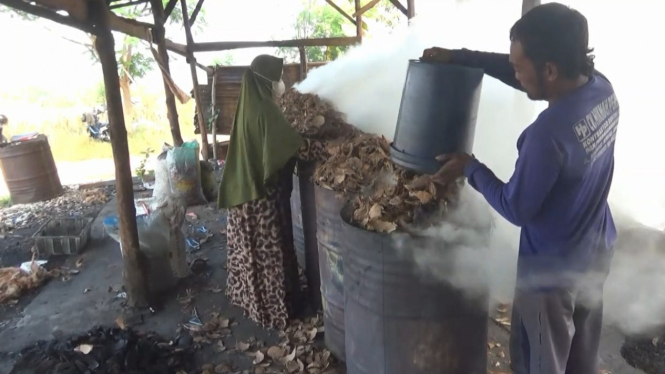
(184, 172)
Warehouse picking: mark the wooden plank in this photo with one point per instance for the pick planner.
(49, 14)
(76, 9)
(401, 7)
(168, 9)
(213, 100)
(195, 13)
(134, 269)
(411, 8)
(221, 46)
(171, 109)
(303, 63)
(341, 11)
(195, 81)
(368, 6)
(359, 22)
(527, 5)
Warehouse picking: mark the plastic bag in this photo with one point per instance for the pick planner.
(162, 189)
(160, 232)
(185, 173)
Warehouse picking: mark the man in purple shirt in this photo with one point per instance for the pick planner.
(558, 191)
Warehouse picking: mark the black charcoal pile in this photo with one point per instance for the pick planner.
(646, 354)
(106, 351)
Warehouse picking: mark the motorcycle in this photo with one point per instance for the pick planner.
(96, 130)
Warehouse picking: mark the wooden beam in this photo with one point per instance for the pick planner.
(195, 81)
(411, 8)
(171, 109)
(42, 12)
(134, 268)
(140, 30)
(368, 6)
(401, 7)
(213, 100)
(221, 46)
(359, 22)
(341, 11)
(76, 9)
(129, 3)
(169, 9)
(527, 5)
(195, 13)
(303, 63)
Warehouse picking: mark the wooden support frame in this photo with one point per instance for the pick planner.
(168, 9)
(134, 268)
(213, 101)
(222, 46)
(365, 8)
(401, 7)
(411, 9)
(51, 15)
(195, 81)
(303, 63)
(341, 11)
(195, 13)
(159, 38)
(359, 22)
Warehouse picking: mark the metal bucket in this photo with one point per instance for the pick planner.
(398, 320)
(331, 267)
(29, 171)
(303, 213)
(437, 114)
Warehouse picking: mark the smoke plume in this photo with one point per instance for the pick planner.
(366, 84)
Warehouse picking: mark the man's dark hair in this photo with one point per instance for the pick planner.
(556, 34)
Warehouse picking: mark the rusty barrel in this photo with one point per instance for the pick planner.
(331, 267)
(400, 320)
(303, 207)
(29, 171)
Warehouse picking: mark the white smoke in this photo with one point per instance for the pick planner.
(366, 84)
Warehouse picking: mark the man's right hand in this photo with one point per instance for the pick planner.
(436, 54)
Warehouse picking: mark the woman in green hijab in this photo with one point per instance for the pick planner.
(256, 188)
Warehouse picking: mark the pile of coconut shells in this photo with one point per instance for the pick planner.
(385, 196)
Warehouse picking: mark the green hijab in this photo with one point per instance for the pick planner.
(262, 141)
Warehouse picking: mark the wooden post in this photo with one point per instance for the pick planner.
(214, 109)
(527, 5)
(303, 63)
(411, 9)
(171, 109)
(134, 268)
(195, 81)
(359, 23)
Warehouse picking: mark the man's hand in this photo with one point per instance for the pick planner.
(452, 169)
(436, 54)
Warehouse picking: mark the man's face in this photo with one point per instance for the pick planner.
(531, 80)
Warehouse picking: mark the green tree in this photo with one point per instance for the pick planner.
(133, 55)
(225, 60)
(323, 21)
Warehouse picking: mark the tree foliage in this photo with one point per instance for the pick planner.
(320, 20)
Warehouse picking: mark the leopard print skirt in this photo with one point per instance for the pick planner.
(262, 266)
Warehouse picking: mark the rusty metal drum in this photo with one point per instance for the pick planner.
(29, 171)
(331, 267)
(400, 320)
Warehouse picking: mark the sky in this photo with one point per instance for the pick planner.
(41, 56)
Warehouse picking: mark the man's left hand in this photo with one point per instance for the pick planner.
(453, 167)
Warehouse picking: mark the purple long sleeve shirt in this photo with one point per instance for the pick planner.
(558, 191)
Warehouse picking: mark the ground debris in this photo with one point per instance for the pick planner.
(105, 350)
(313, 117)
(14, 282)
(72, 202)
(646, 354)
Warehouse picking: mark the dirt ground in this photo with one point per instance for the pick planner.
(93, 297)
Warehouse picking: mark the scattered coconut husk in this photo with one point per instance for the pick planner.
(313, 117)
(14, 282)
